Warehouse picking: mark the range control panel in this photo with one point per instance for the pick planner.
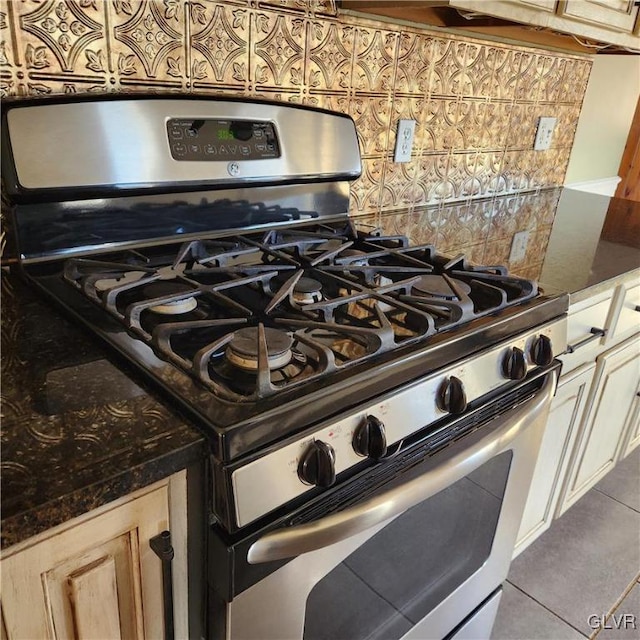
(215, 139)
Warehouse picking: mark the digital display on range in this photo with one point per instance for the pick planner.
(213, 139)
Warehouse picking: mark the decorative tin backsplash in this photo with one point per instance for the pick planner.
(476, 103)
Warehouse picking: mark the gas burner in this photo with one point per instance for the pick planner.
(166, 290)
(435, 286)
(242, 350)
(105, 284)
(307, 291)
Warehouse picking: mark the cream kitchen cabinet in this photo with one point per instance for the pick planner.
(96, 576)
(611, 21)
(611, 413)
(618, 15)
(555, 453)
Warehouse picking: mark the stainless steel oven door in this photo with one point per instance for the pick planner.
(411, 562)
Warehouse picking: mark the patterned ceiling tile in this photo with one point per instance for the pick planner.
(550, 168)
(310, 7)
(529, 74)
(431, 181)
(495, 126)
(450, 76)
(278, 50)
(533, 165)
(330, 56)
(285, 95)
(372, 115)
(374, 63)
(470, 121)
(61, 37)
(522, 126)
(148, 41)
(440, 125)
(513, 172)
(415, 61)
(488, 173)
(552, 73)
(8, 51)
(365, 191)
(479, 69)
(472, 252)
(566, 126)
(461, 173)
(505, 64)
(460, 92)
(574, 80)
(398, 190)
(219, 46)
(331, 101)
(496, 252)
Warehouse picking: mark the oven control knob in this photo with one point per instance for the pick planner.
(541, 351)
(514, 364)
(451, 396)
(318, 464)
(370, 439)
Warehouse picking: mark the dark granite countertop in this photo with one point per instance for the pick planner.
(77, 432)
(578, 242)
(594, 244)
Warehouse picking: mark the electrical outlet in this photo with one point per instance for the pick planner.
(544, 133)
(519, 246)
(404, 140)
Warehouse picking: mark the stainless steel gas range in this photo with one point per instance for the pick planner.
(374, 409)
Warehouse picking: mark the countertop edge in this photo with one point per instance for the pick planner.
(25, 525)
(599, 287)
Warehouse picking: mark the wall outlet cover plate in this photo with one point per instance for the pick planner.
(519, 246)
(404, 140)
(544, 134)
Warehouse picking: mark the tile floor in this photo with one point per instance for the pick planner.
(586, 564)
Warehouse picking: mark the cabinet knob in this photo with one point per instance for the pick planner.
(514, 364)
(451, 396)
(318, 465)
(542, 351)
(370, 439)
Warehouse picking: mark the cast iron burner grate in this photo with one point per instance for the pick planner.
(334, 296)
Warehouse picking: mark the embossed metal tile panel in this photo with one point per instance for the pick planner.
(476, 102)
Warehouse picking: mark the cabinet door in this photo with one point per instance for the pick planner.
(633, 437)
(555, 451)
(610, 414)
(95, 577)
(618, 15)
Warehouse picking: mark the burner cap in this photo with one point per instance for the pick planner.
(166, 289)
(307, 291)
(242, 350)
(437, 287)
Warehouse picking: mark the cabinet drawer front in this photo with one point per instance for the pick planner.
(629, 318)
(579, 325)
(618, 15)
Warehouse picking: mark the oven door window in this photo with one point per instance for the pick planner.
(403, 572)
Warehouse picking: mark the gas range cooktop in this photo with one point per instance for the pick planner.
(252, 316)
(238, 283)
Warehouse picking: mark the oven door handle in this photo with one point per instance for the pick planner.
(294, 541)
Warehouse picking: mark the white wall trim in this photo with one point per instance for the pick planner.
(603, 186)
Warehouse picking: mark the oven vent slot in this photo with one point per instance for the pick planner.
(415, 451)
